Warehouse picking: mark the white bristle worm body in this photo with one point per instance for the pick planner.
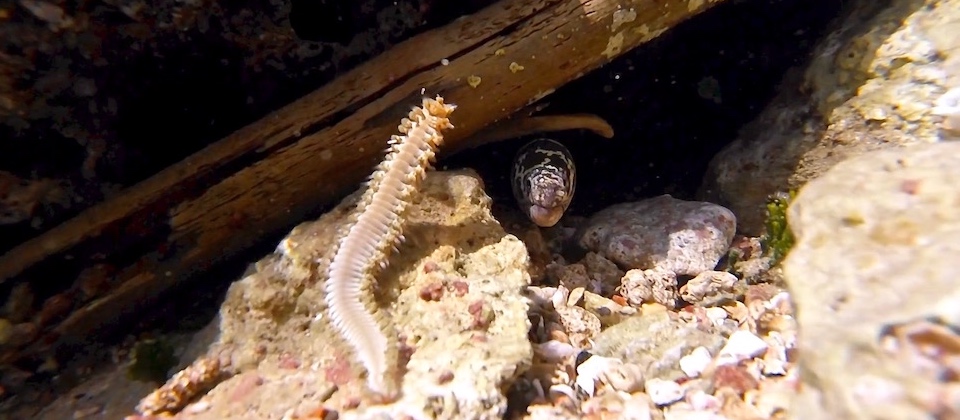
(374, 232)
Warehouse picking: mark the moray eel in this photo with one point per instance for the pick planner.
(544, 179)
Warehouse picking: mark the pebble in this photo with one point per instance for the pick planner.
(716, 315)
(555, 351)
(604, 274)
(560, 295)
(626, 377)
(775, 358)
(663, 392)
(580, 325)
(701, 401)
(540, 296)
(608, 311)
(948, 106)
(576, 296)
(654, 285)
(741, 346)
(637, 407)
(590, 371)
(709, 288)
(696, 362)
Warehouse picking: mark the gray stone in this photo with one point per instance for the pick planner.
(683, 237)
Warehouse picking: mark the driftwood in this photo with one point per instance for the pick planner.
(268, 175)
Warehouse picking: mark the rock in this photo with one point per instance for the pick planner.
(570, 276)
(663, 392)
(696, 362)
(638, 407)
(948, 107)
(604, 273)
(606, 310)
(656, 240)
(683, 237)
(656, 342)
(709, 288)
(579, 324)
(872, 84)
(656, 285)
(555, 351)
(742, 345)
(608, 372)
(273, 322)
(877, 236)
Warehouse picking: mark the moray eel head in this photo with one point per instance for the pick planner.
(544, 180)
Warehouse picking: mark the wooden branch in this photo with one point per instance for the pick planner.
(268, 175)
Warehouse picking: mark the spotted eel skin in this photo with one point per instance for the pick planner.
(544, 179)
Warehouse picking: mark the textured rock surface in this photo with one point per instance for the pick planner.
(475, 343)
(453, 291)
(877, 241)
(683, 237)
(656, 342)
(658, 239)
(873, 83)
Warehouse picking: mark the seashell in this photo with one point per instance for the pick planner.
(741, 346)
(559, 297)
(696, 362)
(592, 370)
(575, 297)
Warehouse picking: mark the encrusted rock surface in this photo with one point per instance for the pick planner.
(482, 342)
(656, 239)
(454, 292)
(684, 237)
(655, 341)
(876, 286)
(872, 84)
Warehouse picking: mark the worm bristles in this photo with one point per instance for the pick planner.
(375, 232)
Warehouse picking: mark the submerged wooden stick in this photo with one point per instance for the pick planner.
(320, 147)
(524, 126)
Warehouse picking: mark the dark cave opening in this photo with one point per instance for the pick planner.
(674, 102)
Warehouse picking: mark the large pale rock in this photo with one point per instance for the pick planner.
(657, 240)
(872, 84)
(453, 292)
(878, 239)
(679, 236)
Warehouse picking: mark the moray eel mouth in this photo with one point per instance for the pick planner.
(545, 217)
